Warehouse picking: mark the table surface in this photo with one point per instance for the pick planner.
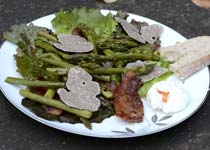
(19, 132)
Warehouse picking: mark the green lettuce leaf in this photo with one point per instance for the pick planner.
(145, 88)
(24, 36)
(67, 21)
(32, 68)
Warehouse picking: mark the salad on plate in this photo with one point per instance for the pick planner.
(90, 67)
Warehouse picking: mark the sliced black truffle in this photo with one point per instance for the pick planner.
(81, 91)
(138, 63)
(131, 30)
(73, 43)
(151, 33)
(156, 72)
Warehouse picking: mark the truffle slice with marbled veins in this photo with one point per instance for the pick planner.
(145, 34)
(81, 91)
(131, 30)
(73, 43)
(151, 33)
(156, 72)
(137, 63)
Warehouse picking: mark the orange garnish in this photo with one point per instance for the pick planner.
(164, 95)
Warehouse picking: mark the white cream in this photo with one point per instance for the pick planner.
(177, 98)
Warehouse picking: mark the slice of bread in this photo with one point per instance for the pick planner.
(188, 57)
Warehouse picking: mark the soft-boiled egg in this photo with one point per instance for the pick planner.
(167, 97)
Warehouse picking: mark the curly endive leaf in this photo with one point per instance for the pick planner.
(23, 35)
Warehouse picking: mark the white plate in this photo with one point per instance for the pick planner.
(113, 127)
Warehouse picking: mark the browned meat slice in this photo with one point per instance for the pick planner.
(127, 102)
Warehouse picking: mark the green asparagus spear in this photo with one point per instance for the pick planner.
(50, 48)
(116, 78)
(106, 94)
(108, 52)
(146, 53)
(117, 44)
(102, 78)
(56, 62)
(50, 93)
(106, 71)
(109, 71)
(58, 71)
(55, 103)
(47, 36)
(35, 83)
(142, 48)
(43, 39)
(114, 57)
(52, 55)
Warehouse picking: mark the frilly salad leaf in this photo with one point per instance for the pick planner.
(67, 21)
(32, 68)
(23, 35)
